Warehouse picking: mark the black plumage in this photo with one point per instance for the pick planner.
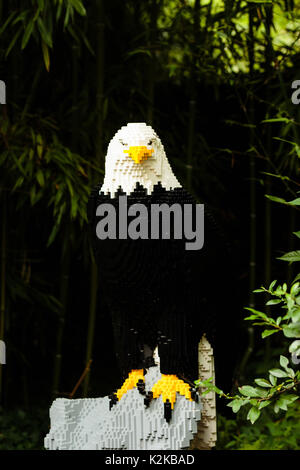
(159, 293)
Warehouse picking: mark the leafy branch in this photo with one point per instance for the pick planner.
(280, 389)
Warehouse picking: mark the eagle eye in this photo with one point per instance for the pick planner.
(150, 142)
(123, 143)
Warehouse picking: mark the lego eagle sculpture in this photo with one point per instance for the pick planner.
(158, 278)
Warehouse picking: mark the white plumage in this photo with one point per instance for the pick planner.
(122, 170)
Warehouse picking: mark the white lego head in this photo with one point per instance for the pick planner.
(136, 154)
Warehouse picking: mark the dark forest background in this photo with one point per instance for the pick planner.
(213, 78)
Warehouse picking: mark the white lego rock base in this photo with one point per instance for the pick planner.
(89, 424)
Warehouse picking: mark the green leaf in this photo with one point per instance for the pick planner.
(40, 177)
(236, 405)
(266, 333)
(273, 379)
(44, 33)
(249, 391)
(280, 404)
(291, 397)
(297, 234)
(46, 57)
(292, 330)
(140, 51)
(263, 383)
(278, 373)
(264, 403)
(297, 278)
(13, 41)
(27, 34)
(273, 302)
(295, 315)
(253, 414)
(295, 202)
(272, 285)
(283, 402)
(276, 199)
(77, 4)
(257, 312)
(3, 27)
(252, 317)
(291, 256)
(283, 361)
(70, 187)
(281, 119)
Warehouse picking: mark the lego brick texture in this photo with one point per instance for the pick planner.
(89, 424)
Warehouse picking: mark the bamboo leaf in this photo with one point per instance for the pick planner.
(44, 33)
(40, 177)
(281, 119)
(78, 7)
(27, 34)
(6, 23)
(13, 41)
(46, 55)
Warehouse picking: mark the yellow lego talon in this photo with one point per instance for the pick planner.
(167, 386)
(134, 376)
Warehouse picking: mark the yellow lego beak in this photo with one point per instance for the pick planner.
(139, 153)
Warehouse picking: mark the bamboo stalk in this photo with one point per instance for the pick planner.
(152, 33)
(252, 190)
(92, 322)
(193, 98)
(64, 288)
(100, 37)
(269, 54)
(66, 247)
(100, 81)
(3, 284)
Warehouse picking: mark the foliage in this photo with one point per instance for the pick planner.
(223, 35)
(237, 55)
(280, 387)
(272, 431)
(272, 391)
(38, 21)
(36, 164)
(23, 429)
